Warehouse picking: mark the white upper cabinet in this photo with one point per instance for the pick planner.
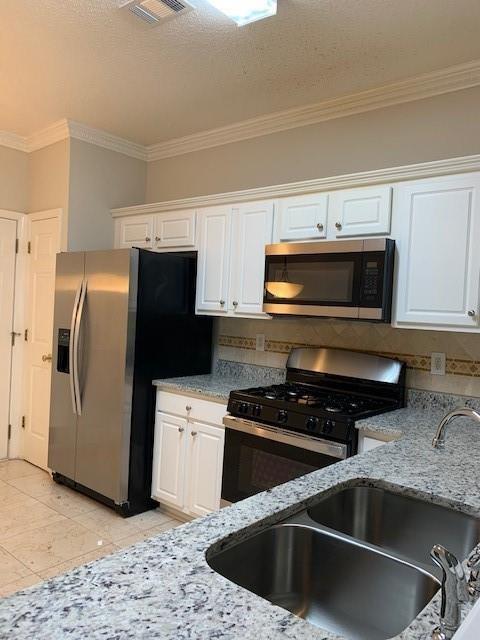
(134, 231)
(436, 225)
(175, 229)
(301, 218)
(231, 258)
(159, 231)
(214, 260)
(360, 212)
(252, 230)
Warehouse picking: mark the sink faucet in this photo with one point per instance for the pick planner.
(454, 591)
(439, 439)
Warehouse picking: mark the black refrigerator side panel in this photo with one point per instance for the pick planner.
(170, 341)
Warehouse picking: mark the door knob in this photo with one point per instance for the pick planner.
(338, 226)
(320, 226)
(472, 313)
(47, 358)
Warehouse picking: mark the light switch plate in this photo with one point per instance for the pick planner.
(260, 342)
(437, 365)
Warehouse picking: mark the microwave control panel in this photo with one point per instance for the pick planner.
(373, 269)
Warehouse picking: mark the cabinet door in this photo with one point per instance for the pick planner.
(301, 218)
(175, 229)
(252, 230)
(213, 260)
(169, 454)
(205, 464)
(135, 231)
(437, 231)
(360, 212)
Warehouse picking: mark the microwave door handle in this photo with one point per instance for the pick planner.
(76, 342)
(71, 352)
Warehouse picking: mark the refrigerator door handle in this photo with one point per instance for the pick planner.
(76, 342)
(71, 352)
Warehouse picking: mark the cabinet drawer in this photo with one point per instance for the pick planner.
(203, 410)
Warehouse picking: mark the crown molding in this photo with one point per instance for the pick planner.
(462, 164)
(49, 135)
(12, 141)
(462, 76)
(106, 140)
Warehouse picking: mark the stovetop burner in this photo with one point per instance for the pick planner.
(316, 398)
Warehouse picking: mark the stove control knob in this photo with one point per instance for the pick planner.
(257, 410)
(312, 423)
(282, 416)
(328, 426)
(243, 408)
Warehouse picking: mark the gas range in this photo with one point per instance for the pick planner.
(325, 392)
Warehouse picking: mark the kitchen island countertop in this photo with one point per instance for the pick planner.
(164, 588)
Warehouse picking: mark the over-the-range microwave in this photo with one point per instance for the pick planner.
(339, 279)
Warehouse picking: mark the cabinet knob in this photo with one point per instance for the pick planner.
(222, 303)
(157, 238)
(235, 303)
(181, 429)
(188, 407)
(194, 433)
(147, 239)
(320, 226)
(338, 226)
(472, 313)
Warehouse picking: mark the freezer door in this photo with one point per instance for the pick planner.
(106, 358)
(63, 412)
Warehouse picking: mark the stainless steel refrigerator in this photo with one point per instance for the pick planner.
(122, 318)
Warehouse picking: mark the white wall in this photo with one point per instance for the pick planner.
(100, 179)
(432, 129)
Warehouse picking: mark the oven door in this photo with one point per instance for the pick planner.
(258, 457)
(314, 278)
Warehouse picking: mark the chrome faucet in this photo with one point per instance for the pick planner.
(454, 591)
(439, 440)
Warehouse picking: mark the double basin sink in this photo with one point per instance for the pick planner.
(355, 563)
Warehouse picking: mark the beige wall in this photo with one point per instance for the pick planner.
(236, 341)
(48, 170)
(432, 129)
(100, 179)
(13, 179)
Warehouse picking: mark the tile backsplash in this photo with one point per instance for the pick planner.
(236, 340)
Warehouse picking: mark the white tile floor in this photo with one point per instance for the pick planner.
(47, 529)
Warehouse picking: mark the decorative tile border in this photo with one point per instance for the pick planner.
(418, 362)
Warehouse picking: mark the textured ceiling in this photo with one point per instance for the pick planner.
(89, 61)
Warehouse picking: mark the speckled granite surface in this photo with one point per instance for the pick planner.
(163, 588)
(226, 377)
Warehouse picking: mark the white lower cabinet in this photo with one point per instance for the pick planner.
(204, 468)
(188, 454)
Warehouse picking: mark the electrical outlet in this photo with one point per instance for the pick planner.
(260, 342)
(437, 365)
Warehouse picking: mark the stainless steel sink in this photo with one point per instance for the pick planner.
(404, 526)
(338, 585)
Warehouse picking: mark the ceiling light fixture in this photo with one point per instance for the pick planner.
(246, 11)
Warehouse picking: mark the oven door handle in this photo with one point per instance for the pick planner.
(317, 445)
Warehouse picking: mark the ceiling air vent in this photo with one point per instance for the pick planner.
(154, 11)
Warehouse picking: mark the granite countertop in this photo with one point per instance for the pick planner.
(227, 376)
(164, 588)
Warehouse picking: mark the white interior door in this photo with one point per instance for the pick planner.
(8, 237)
(44, 245)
